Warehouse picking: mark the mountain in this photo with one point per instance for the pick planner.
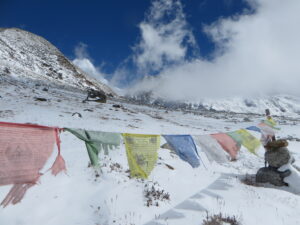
(24, 55)
(280, 105)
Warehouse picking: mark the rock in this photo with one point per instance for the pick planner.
(40, 99)
(277, 157)
(166, 146)
(76, 114)
(272, 176)
(246, 119)
(95, 95)
(291, 138)
(170, 167)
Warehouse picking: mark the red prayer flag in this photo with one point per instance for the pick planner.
(24, 150)
(227, 143)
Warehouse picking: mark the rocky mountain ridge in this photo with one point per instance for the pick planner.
(281, 105)
(24, 55)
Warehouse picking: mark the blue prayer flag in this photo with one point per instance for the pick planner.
(254, 128)
(185, 148)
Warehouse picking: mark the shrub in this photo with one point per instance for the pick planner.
(219, 219)
(153, 194)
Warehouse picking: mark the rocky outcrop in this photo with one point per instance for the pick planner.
(24, 55)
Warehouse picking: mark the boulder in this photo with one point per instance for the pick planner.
(277, 157)
(96, 96)
(272, 176)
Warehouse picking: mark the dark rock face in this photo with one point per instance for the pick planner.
(277, 157)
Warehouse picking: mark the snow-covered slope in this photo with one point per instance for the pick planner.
(85, 196)
(26, 55)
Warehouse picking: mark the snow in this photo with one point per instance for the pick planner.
(23, 54)
(279, 104)
(83, 197)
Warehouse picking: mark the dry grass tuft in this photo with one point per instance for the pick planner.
(219, 219)
(154, 194)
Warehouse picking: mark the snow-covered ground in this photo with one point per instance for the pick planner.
(83, 197)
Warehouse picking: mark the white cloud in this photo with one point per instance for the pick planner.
(84, 62)
(257, 53)
(165, 37)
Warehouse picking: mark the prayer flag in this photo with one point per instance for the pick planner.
(141, 150)
(272, 123)
(228, 144)
(243, 137)
(211, 147)
(254, 128)
(267, 133)
(265, 129)
(96, 141)
(24, 150)
(184, 147)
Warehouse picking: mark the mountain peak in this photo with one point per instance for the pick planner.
(26, 55)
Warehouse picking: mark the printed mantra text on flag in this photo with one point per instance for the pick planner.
(24, 149)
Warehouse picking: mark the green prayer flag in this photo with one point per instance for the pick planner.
(96, 141)
(243, 137)
(236, 136)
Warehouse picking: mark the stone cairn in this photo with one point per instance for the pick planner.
(277, 155)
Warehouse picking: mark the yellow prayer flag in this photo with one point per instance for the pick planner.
(248, 140)
(141, 150)
(272, 122)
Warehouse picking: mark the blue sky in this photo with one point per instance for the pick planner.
(109, 28)
(195, 48)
